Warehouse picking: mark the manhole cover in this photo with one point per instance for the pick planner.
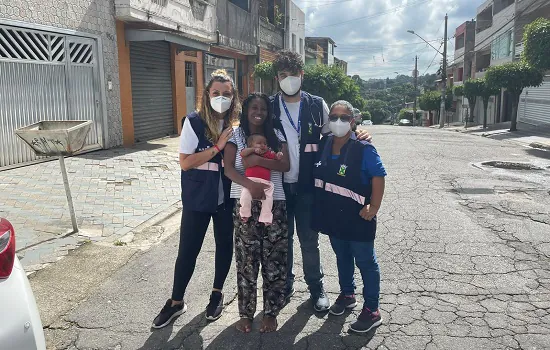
(511, 165)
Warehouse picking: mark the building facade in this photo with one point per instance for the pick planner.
(327, 46)
(343, 65)
(271, 39)
(296, 30)
(58, 62)
(463, 64)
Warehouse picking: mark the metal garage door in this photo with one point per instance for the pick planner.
(45, 76)
(534, 104)
(151, 71)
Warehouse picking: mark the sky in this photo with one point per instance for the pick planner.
(371, 35)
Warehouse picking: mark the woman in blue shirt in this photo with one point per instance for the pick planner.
(349, 186)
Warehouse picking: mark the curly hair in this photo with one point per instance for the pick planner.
(269, 129)
(289, 61)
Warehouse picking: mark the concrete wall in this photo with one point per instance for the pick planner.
(297, 26)
(502, 19)
(89, 16)
(194, 18)
(238, 28)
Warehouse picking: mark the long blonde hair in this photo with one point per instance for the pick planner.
(206, 111)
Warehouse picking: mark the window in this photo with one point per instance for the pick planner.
(241, 3)
(189, 74)
(301, 46)
(294, 42)
(501, 47)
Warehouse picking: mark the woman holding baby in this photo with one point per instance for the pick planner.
(260, 218)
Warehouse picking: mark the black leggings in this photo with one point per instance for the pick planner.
(194, 225)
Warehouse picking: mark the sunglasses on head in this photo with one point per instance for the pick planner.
(344, 117)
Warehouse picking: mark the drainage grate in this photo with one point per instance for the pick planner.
(511, 165)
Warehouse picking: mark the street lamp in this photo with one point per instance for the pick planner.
(443, 73)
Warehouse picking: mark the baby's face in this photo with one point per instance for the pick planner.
(259, 143)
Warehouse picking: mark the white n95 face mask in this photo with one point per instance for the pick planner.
(291, 85)
(339, 128)
(220, 103)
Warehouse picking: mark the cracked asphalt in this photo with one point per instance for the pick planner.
(463, 249)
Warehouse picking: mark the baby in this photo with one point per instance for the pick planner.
(258, 144)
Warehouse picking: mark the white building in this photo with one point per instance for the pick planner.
(296, 33)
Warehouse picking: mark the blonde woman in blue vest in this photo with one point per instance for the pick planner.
(205, 194)
(349, 185)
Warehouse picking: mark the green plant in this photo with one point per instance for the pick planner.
(536, 41)
(119, 243)
(332, 84)
(430, 101)
(279, 16)
(514, 76)
(378, 110)
(264, 70)
(458, 90)
(366, 115)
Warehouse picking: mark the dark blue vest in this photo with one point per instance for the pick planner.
(200, 186)
(340, 193)
(311, 115)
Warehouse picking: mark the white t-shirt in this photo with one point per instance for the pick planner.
(292, 136)
(188, 144)
(239, 140)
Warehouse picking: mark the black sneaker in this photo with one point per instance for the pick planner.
(366, 321)
(342, 303)
(321, 303)
(215, 306)
(168, 313)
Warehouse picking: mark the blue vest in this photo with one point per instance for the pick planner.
(311, 115)
(200, 186)
(340, 193)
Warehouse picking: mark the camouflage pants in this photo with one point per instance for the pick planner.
(255, 244)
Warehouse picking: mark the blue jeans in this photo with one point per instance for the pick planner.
(365, 259)
(298, 207)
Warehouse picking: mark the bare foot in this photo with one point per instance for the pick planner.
(244, 325)
(269, 324)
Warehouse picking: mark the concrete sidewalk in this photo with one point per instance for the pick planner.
(526, 135)
(114, 191)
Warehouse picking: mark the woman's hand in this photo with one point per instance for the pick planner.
(363, 135)
(224, 137)
(368, 212)
(257, 190)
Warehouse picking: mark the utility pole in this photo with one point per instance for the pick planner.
(442, 112)
(415, 86)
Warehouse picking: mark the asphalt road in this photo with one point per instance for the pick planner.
(464, 251)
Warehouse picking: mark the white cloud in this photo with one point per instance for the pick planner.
(377, 44)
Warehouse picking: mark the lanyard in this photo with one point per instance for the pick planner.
(290, 118)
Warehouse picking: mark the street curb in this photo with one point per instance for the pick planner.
(540, 145)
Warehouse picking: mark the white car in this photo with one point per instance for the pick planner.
(366, 122)
(20, 325)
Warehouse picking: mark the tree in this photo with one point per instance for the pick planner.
(408, 114)
(458, 90)
(366, 115)
(472, 89)
(378, 110)
(536, 41)
(514, 76)
(332, 84)
(486, 93)
(430, 101)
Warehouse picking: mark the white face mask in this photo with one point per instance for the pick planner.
(339, 128)
(220, 103)
(291, 85)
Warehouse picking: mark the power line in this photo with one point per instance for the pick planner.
(433, 59)
(395, 9)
